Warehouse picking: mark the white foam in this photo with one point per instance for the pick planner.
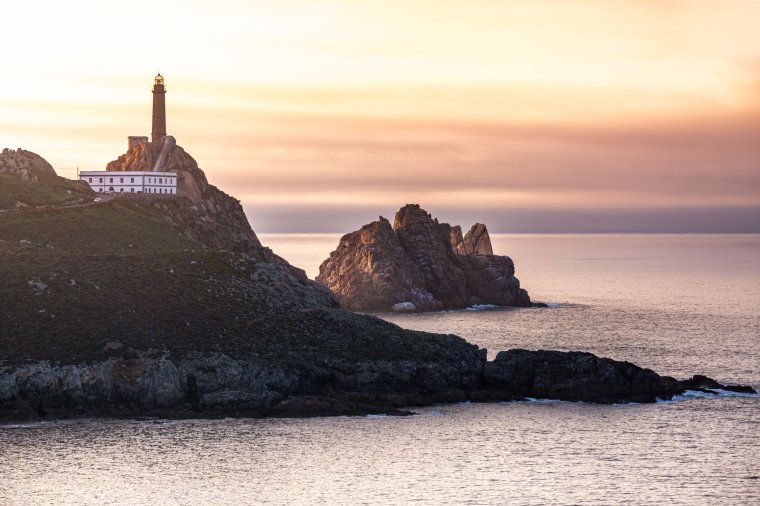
(30, 425)
(428, 413)
(481, 307)
(546, 401)
(712, 394)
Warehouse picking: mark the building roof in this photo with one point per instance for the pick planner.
(125, 173)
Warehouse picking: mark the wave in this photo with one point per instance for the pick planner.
(482, 307)
(700, 394)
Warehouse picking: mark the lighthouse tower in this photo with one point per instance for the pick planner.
(159, 110)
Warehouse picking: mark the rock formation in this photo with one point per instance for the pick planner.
(214, 384)
(421, 262)
(576, 376)
(25, 164)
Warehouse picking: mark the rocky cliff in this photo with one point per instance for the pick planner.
(419, 264)
(208, 215)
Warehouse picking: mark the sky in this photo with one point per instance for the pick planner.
(533, 116)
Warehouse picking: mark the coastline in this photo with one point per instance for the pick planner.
(216, 386)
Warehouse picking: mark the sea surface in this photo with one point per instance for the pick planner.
(679, 304)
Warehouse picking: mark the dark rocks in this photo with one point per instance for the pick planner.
(703, 383)
(578, 376)
(419, 262)
(217, 385)
(214, 385)
(575, 376)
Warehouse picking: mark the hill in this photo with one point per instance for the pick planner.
(27, 180)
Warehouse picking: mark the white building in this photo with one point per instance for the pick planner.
(131, 182)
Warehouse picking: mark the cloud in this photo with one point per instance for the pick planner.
(687, 161)
(343, 219)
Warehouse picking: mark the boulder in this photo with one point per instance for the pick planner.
(404, 307)
(25, 164)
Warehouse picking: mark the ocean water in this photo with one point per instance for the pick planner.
(679, 304)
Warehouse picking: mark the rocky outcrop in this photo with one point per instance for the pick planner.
(211, 216)
(422, 262)
(579, 376)
(216, 385)
(25, 164)
(575, 376)
(204, 212)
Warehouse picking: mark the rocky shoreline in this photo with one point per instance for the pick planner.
(215, 385)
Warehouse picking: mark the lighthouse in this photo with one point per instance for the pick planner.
(159, 110)
(142, 169)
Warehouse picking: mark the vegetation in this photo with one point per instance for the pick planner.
(87, 282)
(50, 190)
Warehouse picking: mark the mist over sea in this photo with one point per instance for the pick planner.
(678, 304)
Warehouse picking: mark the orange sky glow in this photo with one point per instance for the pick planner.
(471, 108)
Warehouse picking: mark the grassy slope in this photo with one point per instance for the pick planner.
(51, 190)
(114, 272)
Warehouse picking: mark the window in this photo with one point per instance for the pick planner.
(90, 179)
(122, 180)
(101, 190)
(100, 180)
(131, 180)
(160, 180)
(111, 181)
(132, 190)
(121, 189)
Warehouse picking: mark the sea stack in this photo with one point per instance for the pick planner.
(419, 264)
